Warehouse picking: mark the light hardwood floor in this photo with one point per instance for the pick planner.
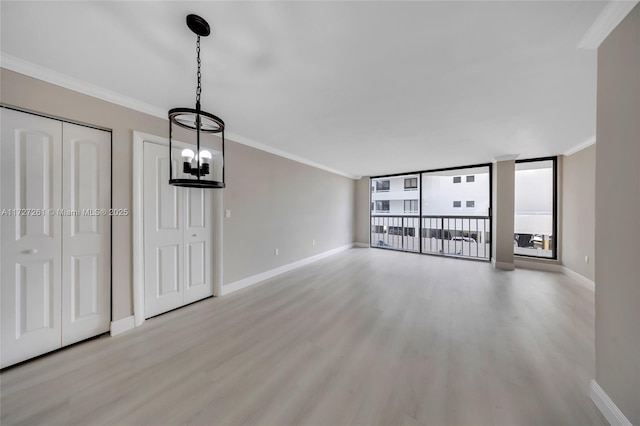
(367, 336)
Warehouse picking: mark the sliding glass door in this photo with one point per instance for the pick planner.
(456, 212)
(443, 212)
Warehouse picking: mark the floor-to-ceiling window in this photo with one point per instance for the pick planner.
(395, 212)
(535, 208)
(456, 212)
(445, 212)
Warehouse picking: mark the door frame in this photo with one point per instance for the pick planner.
(137, 211)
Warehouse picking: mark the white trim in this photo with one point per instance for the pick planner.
(50, 76)
(280, 153)
(580, 147)
(505, 266)
(361, 245)
(138, 228)
(609, 410)
(254, 279)
(137, 211)
(612, 14)
(590, 284)
(549, 266)
(122, 325)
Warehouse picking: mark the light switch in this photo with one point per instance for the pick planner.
(227, 213)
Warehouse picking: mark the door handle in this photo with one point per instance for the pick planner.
(194, 235)
(31, 251)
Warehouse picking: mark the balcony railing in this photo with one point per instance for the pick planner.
(461, 236)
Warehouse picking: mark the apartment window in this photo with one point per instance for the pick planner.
(410, 206)
(382, 205)
(395, 230)
(535, 204)
(471, 178)
(409, 232)
(457, 179)
(383, 185)
(372, 206)
(377, 229)
(410, 184)
(471, 203)
(457, 204)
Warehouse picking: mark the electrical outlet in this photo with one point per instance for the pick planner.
(586, 259)
(276, 252)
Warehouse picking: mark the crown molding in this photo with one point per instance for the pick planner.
(280, 153)
(581, 146)
(612, 14)
(30, 69)
(50, 76)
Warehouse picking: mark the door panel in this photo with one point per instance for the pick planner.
(86, 226)
(163, 228)
(30, 170)
(85, 289)
(178, 234)
(198, 239)
(168, 261)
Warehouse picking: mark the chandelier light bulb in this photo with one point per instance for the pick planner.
(187, 155)
(205, 157)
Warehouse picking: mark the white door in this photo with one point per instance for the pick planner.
(30, 170)
(178, 234)
(55, 262)
(86, 241)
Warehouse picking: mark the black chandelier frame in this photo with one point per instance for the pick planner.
(199, 121)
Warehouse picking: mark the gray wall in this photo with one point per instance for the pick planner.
(617, 218)
(283, 204)
(578, 219)
(275, 203)
(503, 214)
(363, 210)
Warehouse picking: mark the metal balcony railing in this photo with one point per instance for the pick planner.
(461, 236)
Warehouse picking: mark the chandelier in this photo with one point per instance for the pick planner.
(202, 159)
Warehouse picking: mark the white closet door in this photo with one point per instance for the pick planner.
(198, 244)
(86, 269)
(163, 234)
(178, 236)
(30, 170)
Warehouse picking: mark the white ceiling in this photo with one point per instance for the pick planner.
(363, 88)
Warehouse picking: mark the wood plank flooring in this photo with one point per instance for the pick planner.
(365, 337)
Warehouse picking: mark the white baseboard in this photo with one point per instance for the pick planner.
(606, 406)
(122, 325)
(254, 279)
(361, 245)
(505, 266)
(538, 266)
(579, 277)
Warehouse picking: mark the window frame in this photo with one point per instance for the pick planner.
(554, 241)
(410, 188)
(383, 190)
(382, 210)
(417, 204)
(419, 174)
